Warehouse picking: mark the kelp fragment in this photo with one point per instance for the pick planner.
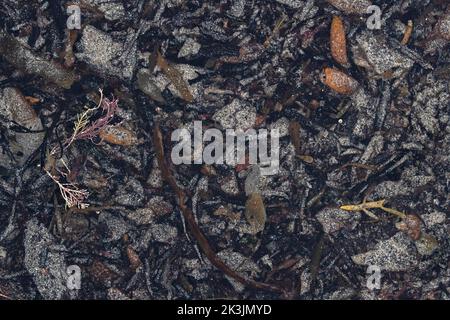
(255, 212)
(175, 78)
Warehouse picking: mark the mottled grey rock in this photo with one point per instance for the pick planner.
(282, 125)
(146, 84)
(410, 181)
(292, 3)
(236, 115)
(113, 10)
(156, 207)
(430, 108)
(164, 233)
(190, 47)
(397, 253)
(14, 107)
(45, 261)
(106, 55)
(240, 264)
(433, 218)
(116, 225)
(131, 194)
(366, 108)
(334, 219)
(195, 269)
(229, 184)
(381, 60)
(238, 8)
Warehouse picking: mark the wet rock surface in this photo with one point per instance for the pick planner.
(87, 178)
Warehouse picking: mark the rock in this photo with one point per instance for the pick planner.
(164, 233)
(195, 269)
(45, 261)
(351, 6)
(237, 115)
(29, 62)
(397, 253)
(14, 107)
(3, 253)
(429, 109)
(282, 125)
(146, 84)
(113, 10)
(380, 60)
(115, 224)
(366, 108)
(229, 184)
(131, 194)
(155, 179)
(433, 218)
(334, 219)
(341, 294)
(410, 180)
(373, 149)
(156, 207)
(238, 8)
(105, 55)
(116, 294)
(292, 3)
(255, 182)
(240, 264)
(189, 48)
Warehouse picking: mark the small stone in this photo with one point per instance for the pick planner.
(164, 233)
(433, 218)
(14, 107)
(131, 194)
(282, 125)
(238, 8)
(352, 6)
(397, 253)
(115, 224)
(113, 10)
(240, 264)
(380, 60)
(146, 84)
(45, 261)
(237, 115)
(156, 207)
(189, 48)
(292, 3)
(334, 219)
(99, 50)
(116, 294)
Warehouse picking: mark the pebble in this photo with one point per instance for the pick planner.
(14, 107)
(156, 207)
(236, 115)
(45, 261)
(240, 264)
(334, 219)
(99, 50)
(397, 253)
